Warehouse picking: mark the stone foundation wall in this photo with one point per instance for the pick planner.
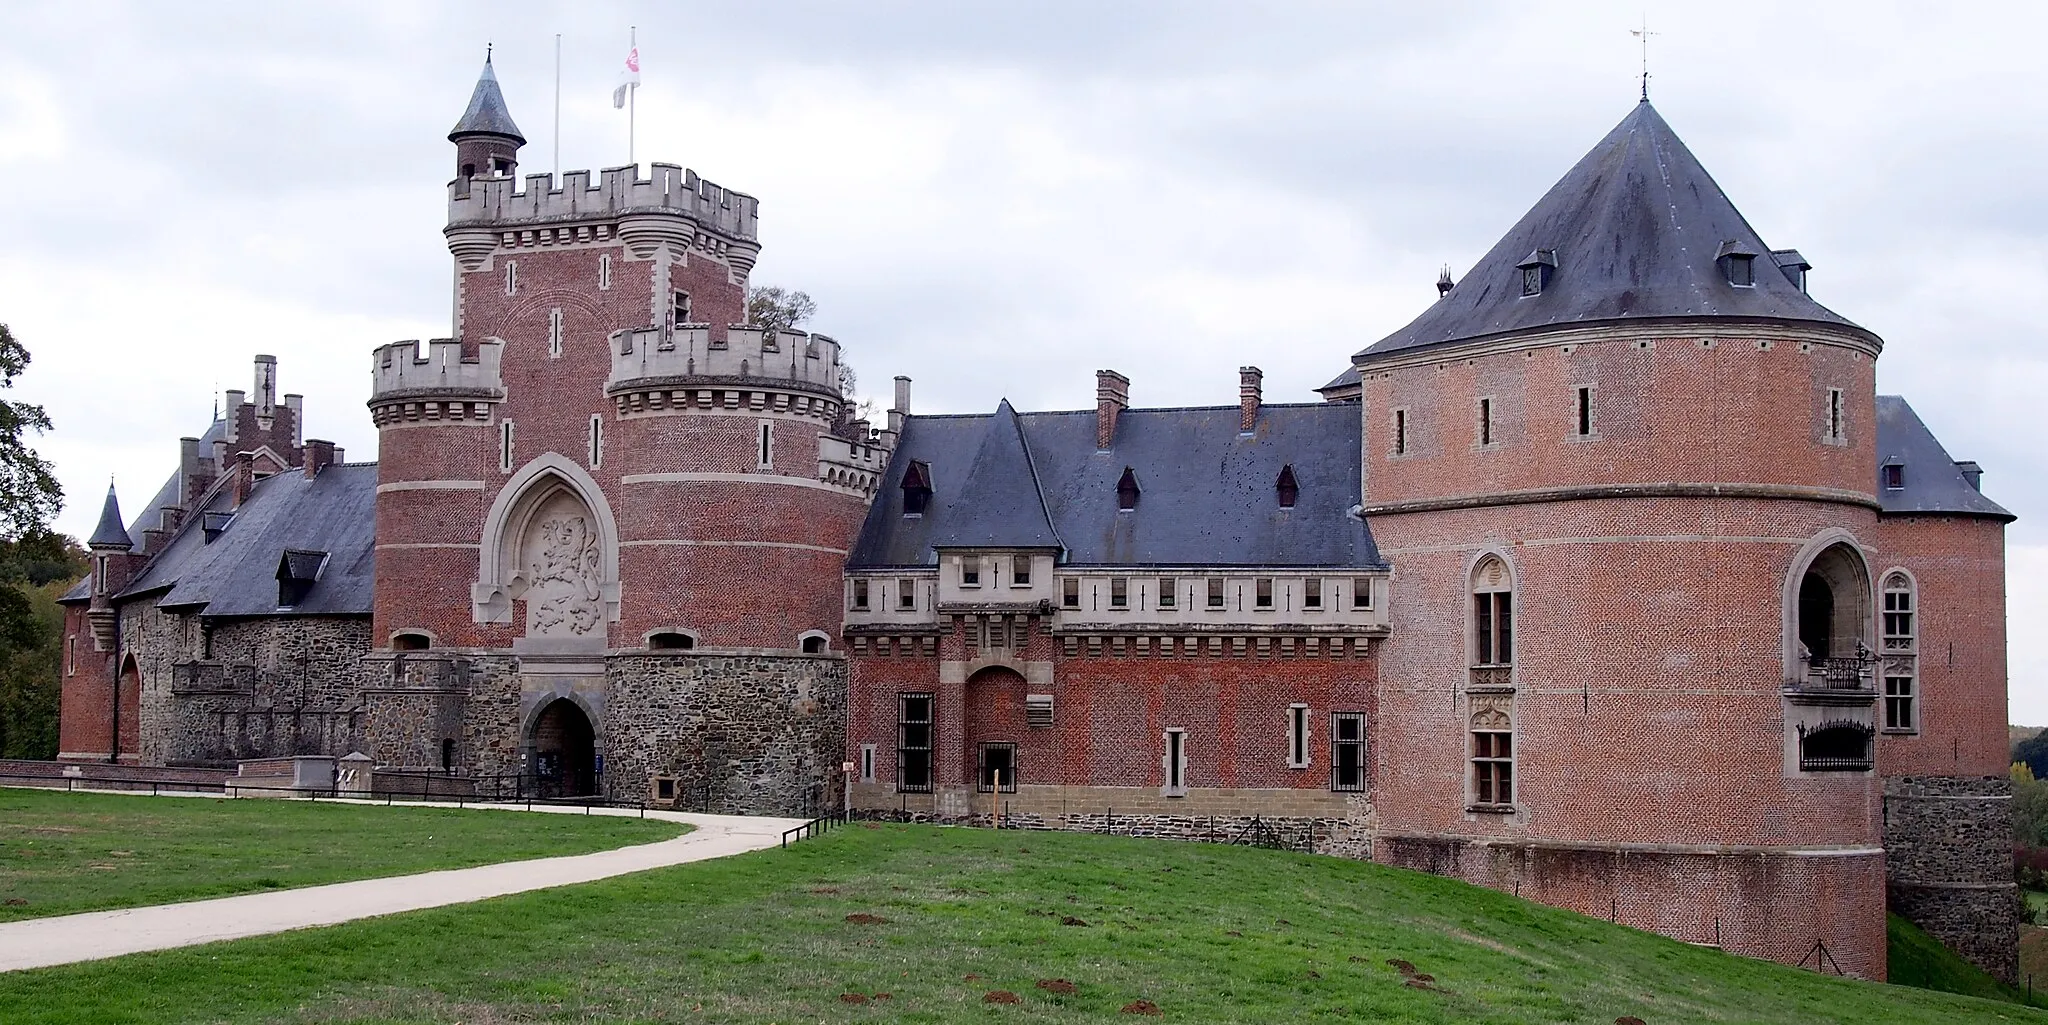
(1303, 820)
(740, 734)
(1948, 861)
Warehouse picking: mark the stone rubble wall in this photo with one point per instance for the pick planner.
(1948, 865)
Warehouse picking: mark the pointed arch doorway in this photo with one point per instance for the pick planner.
(564, 751)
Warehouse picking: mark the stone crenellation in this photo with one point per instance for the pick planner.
(404, 371)
(668, 189)
(785, 359)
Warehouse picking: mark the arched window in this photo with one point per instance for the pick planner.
(1833, 621)
(1493, 617)
(670, 640)
(1840, 745)
(813, 643)
(410, 641)
(1900, 655)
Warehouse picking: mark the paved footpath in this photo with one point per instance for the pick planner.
(39, 942)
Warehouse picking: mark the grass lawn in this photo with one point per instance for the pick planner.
(921, 924)
(63, 852)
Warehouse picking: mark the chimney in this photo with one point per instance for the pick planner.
(339, 455)
(245, 476)
(266, 384)
(297, 404)
(1971, 472)
(901, 408)
(319, 455)
(1112, 397)
(1250, 387)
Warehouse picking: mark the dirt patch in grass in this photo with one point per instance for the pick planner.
(863, 918)
(1145, 1007)
(1059, 986)
(1001, 996)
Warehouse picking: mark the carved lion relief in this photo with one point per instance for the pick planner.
(562, 596)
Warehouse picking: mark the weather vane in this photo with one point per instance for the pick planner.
(1644, 34)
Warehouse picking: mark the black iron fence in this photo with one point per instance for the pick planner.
(815, 827)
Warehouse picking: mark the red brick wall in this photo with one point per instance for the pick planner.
(1959, 564)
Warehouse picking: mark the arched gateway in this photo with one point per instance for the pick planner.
(564, 751)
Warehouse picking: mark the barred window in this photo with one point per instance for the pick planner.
(1347, 751)
(914, 743)
(997, 769)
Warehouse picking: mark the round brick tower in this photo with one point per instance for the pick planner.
(606, 490)
(1624, 470)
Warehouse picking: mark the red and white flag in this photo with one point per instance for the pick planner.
(629, 77)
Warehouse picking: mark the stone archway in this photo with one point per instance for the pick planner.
(564, 748)
(995, 736)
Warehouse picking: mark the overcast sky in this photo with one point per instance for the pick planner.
(999, 200)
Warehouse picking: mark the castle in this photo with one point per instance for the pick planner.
(1609, 580)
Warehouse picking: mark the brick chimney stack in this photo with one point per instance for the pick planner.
(319, 456)
(245, 476)
(1112, 397)
(1250, 388)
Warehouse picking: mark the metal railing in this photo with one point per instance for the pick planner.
(73, 783)
(816, 827)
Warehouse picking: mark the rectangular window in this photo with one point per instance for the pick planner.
(1400, 432)
(1070, 593)
(1585, 412)
(970, 571)
(511, 277)
(1898, 703)
(1894, 477)
(906, 594)
(766, 450)
(1834, 414)
(679, 309)
(1347, 751)
(1312, 593)
(1297, 736)
(996, 771)
(1493, 628)
(1898, 620)
(596, 440)
(1262, 592)
(604, 273)
(860, 595)
(1215, 592)
(555, 333)
(1119, 592)
(867, 763)
(505, 447)
(71, 655)
(1493, 767)
(1167, 599)
(914, 743)
(1173, 764)
(1486, 421)
(1020, 571)
(1361, 592)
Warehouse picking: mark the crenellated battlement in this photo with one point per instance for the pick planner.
(669, 189)
(437, 384)
(807, 362)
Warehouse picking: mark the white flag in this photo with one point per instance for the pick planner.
(629, 77)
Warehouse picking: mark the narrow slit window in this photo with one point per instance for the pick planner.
(1834, 414)
(604, 272)
(511, 277)
(596, 440)
(1486, 421)
(867, 763)
(555, 333)
(766, 451)
(1400, 432)
(1585, 412)
(1297, 736)
(505, 433)
(1347, 752)
(1173, 763)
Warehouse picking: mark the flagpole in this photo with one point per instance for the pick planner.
(632, 94)
(558, 104)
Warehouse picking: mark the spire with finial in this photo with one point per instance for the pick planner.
(1644, 34)
(486, 139)
(1443, 282)
(110, 533)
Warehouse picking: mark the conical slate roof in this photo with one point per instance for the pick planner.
(1636, 229)
(110, 532)
(486, 114)
(1001, 501)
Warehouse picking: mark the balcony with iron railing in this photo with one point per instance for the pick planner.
(1835, 680)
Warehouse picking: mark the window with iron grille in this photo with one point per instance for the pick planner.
(1493, 767)
(1347, 751)
(996, 771)
(914, 743)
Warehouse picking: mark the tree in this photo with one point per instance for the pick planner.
(35, 566)
(787, 310)
(29, 494)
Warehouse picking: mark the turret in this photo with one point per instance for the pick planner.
(486, 141)
(110, 545)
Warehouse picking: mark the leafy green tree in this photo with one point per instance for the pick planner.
(2033, 751)
(788, 310)
(35, 566)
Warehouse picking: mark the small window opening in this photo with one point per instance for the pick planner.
(1119, 592)
(1493, 767)
(512, 277)
(664, 788)
(914, 743)
(1839, 745)
(1297, 736)
(1486, 421)
(1262, 593)
(1215, 592)
(1312, 593)
(1166, 593)
(1834, 414)
(1174, 763)
(1400, 432)
(671, 640)
(1286, 487)
(813, 645)
(595, 443)
(1020, 571)
(860, 595)
(505, 434)
(1894, 477)
(970, 571)
(997, 771)
(469, 170)
(679, 309)
(1127, 491)
(555, 333)
(410, 642)
(766, 451)
(906, 593)
(1347, 752)
(917, 488)
(1585, 412)
(448, 754)
(1361, 592)
(604, 272)
(1536, 269)
(1070, 593)
(867, 763)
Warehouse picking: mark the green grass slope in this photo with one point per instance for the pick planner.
(62, 852)
(1917, 959)
(920, 924)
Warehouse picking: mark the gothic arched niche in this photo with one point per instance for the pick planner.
(550, 543)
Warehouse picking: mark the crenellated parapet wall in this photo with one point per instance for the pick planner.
(434, 382)
(656, 368)
(671, 206)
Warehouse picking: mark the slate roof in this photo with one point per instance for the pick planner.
(1933, 482)
(1207, 492)
(486, 114)
(110, 532)
(1636, 227)
(237, 574)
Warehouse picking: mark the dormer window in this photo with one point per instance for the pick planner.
(296, 573)
(1537, 269)
(917, 487)
(1794, 266)
(1893, 474)
(1127, 491)
(1286, 488)
(1738, 264)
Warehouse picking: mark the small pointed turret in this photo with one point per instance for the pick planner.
(110, 534)
(486, 140)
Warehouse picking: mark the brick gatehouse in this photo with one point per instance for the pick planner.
(1608, 580)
